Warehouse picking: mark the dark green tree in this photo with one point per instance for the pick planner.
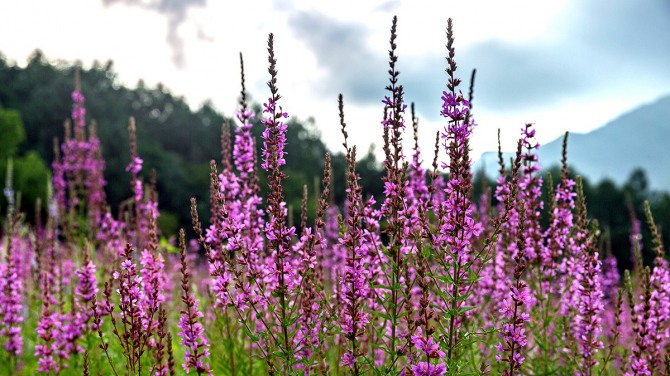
(11, 129)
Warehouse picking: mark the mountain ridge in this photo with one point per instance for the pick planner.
(635, 139)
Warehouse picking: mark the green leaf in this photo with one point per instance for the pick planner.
(465, 309)
(382, 287)
(380, 314)
(293, 321)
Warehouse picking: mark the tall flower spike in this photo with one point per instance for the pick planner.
(87, 288)
(153, 277)
(131, 295)
(354, 283)
(243, 148)
(394, 208)
(643, 325)
(250, 216)
(530, 191)
(135, 165)
(78, 171)
(95, 181)
(458, 230)
(588, 320)
(273, 158)
(226, 147)
(47, 331)
(279, 235)
(311, 322)
(561, 222)
(78, 110)
(90, 163)
(192, 332)
(11, 307)
(513, 331)
(660, 296)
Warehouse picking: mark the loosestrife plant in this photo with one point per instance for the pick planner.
(427, 281)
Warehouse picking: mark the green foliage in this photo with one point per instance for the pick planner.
(30, 179)
(11, 129)
(168, 222)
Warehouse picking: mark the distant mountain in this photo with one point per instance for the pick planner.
(639, 138)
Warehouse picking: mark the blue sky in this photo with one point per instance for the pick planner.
(563, 65)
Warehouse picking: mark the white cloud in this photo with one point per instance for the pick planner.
(135, 38)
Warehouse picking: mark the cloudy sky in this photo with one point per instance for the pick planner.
(563, 65)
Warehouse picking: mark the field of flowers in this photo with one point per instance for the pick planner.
(424, 283)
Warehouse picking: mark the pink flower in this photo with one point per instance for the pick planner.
(429, 347)
(348, 360)
(427, 369)
(135, 165)
(10, 306)
(48, 330)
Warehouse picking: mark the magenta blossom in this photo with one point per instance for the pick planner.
(427, 369)
(135, 165)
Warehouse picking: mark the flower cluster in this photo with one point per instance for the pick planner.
(432, 353)
(354, 283)
(11, 306)
(48, 331)
(85, 292)
(422, 280)
(78, 166)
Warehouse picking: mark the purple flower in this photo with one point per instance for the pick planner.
(522, 297)
(639, 368)
(153, 284)
(48, 330)
(220, 283)
(85, 292)
(243, 150)
(78, 110)
(278, 234)
(348, 360)
(10, 306)
(556, 237)
(274, 136)
(135, 165)
(427, 369)
(459, 229)
(513, 332)
(87, 287)
(59, 186)
(80, 167)
(111, 234)
(193, 337)
(138, 189)
(134, 317)
(428, 346)
(587, 322)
